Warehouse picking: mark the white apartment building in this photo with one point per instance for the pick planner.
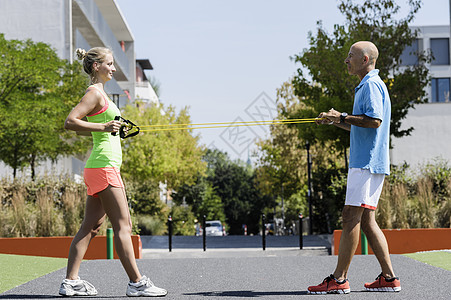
(431, 137)
(143, 90)
(70, 24)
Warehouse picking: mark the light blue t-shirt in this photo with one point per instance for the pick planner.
(370, 146)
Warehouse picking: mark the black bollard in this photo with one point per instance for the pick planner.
(204, 233)
(263, 232)
(301, 240)
(170, 233)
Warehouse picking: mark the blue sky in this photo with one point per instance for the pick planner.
(225, 59)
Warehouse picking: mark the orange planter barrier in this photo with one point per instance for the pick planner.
(407, 240)
(59, 246)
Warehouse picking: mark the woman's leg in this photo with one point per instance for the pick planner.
(114, 202)
(94, 217)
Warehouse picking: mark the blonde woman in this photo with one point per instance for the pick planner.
(106, 193)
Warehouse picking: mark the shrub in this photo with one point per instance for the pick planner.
(145, 199)
(423, 201)
(49, 218)
(39, 208)
(55, 206)
(149, 225)
(183, 221)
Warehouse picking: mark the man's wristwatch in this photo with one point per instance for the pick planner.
(343, 117)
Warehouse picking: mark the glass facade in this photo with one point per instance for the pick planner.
(440, 89)
(440, 51)
(409, 56)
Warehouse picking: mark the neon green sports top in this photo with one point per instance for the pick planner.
(106, 151)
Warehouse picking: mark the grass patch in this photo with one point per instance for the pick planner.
(441, 259)
(19, 269)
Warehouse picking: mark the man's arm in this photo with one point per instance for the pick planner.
(361, 121)
(343, 126)
(357, 120)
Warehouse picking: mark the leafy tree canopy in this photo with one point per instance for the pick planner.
(229, 192)
(171, 157)
(322, 82)
(202, 198)
(282, 171)
(236, 184)
(37, 92)
(328, 85)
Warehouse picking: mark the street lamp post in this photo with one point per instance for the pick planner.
(309, 194)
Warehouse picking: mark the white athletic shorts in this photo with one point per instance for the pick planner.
(363, 188)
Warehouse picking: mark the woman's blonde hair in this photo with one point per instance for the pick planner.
(96, 54)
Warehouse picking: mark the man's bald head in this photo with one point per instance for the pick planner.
(367, 49)
(361, 58)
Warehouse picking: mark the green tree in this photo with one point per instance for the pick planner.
(144, 197)
(183, 221)
(37, 91)
(202, 198)
(236, 185)
(328, 84)
(283, 163)
(171, 157)
(228, 192)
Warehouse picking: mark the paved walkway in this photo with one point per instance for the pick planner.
(278, 277)
(278, 273)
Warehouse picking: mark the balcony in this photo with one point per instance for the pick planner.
(88, 19)
(144, 92)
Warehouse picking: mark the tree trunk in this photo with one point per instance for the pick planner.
(15, 164)
(32, 162)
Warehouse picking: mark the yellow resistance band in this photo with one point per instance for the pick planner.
(168, 127)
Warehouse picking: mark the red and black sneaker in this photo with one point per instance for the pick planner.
(330, 285)
(383, 284)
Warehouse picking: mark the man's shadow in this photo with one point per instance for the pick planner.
(247, 294)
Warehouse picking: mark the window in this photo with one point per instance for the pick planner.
(440, 51)
(440, 89)
(409, 56)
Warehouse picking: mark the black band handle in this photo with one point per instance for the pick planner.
(116, 118)
(124, 128)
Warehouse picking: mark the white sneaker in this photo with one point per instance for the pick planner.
(144, 287)
(77, 287)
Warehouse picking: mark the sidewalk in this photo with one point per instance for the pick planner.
(282, 271)
(280, 277)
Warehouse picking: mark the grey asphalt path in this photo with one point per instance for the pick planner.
(276, 277)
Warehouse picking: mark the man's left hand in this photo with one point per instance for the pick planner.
(331, 116)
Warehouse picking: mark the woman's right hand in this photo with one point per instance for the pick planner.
(112, 126)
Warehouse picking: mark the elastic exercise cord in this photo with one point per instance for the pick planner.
(169, 127)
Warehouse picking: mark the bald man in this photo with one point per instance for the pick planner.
(369, 125)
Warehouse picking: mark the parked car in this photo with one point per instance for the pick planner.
(214, 228)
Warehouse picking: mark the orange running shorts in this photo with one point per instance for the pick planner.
(98, 179)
